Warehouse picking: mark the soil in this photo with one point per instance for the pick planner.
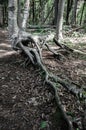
(26, 102)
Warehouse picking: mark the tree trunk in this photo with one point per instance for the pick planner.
(60, 20)
(26, 14)
(83, 12)
(73, 20)
(1, 15)
(56, 11)
(33, 12)
(19, 14)
(12, 17)
(69, 7)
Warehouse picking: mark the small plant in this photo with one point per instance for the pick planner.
(43, 124)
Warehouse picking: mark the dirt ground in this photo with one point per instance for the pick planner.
(26, 103)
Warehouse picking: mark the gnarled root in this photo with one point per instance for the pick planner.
(33, 53)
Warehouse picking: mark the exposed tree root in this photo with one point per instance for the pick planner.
(63, 46)
(79, 52)
(58, 55)
(33, 53)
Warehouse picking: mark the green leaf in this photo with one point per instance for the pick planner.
(77, 129)
(43, 124)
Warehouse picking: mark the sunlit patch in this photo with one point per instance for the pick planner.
(7, 53)
(3, 51)
(4, 31)
(81, 72)
(4, 45)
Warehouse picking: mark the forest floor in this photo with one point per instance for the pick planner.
(26, 103)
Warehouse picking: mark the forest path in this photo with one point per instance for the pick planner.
(5, 46)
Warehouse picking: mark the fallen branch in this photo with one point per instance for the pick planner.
(40, 27)
(75, 29)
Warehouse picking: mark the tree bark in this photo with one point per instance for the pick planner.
(69, 7)
(12, 17)
(73, 20)
(19, 14)
(56, 11)
(83, 12)
(25, 14)
(60, 20)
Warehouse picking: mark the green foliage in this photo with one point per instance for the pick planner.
(43, 124)
(40, 12)
(84, 94)
(3, 1)
(77, 129)
(71, 114)
(79, 14)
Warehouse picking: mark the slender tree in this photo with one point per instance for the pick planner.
(84, 4)
(56, 11)
(74, 12)
(20, 14)
(60, 20)
(26, 14)
(12, 17)
(69, 7)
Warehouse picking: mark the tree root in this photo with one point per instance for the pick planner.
(58, 55)
(62, 46)
(79, 52)
(68, 49)
(33, 54)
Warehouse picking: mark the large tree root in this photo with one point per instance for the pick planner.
(66, 48)
(33, 53)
